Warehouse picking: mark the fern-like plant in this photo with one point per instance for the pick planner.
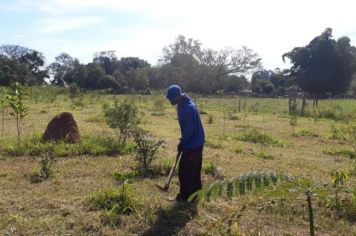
(240, 185)
(248, 182)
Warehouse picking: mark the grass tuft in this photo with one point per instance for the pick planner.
(88, 145)
(256, 136)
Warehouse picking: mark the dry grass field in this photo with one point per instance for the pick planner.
(61, 204)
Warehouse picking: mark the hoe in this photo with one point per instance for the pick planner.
(166, 186)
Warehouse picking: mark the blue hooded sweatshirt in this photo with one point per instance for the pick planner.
(190, 124)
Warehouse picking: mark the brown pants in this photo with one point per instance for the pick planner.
(190, 172)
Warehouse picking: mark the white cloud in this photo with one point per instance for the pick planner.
(271, 28)
(58, 24)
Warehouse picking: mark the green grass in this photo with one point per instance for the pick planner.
(88, 145)
(256, 136)
(264, 155)
(60, 205)
(346, 152)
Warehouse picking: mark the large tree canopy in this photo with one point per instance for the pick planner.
(63, 64)
(324, 65)
(23, 65)
(204, 70)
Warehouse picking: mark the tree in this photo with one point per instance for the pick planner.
(204, 70)
(131, 63)
(17, 107)
(95, 74)
(63, 64)
(23, 65)
(13, 51)
(324, 65)
(353, 86)
(107, 61)
(236, 83)
(261, 82)
(34, 61)
(12, 71)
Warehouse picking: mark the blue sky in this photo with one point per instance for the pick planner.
(142, 28)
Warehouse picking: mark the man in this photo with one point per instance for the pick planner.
(191, 142)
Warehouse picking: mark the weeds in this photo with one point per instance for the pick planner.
(346, 152)
(45, 171)
(214, 143)
(255, 136)
(238, 149)
(88, 145)
(210, 119)
(209, 168)
(293, 121)
(264, 155)
(307, 133)
(113, 203)
(96, 119)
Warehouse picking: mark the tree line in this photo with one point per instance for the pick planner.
(324, 66)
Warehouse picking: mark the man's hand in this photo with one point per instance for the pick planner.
(180, 147)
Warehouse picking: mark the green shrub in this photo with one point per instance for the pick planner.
(146, 147)
(256, 136)
(122, 116)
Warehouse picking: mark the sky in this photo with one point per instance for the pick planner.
(141, 28)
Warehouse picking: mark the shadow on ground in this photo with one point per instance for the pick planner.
(171, 221)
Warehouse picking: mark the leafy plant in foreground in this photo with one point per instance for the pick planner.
(18, 109)
(248, 182)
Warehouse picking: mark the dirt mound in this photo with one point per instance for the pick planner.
(62, 127)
